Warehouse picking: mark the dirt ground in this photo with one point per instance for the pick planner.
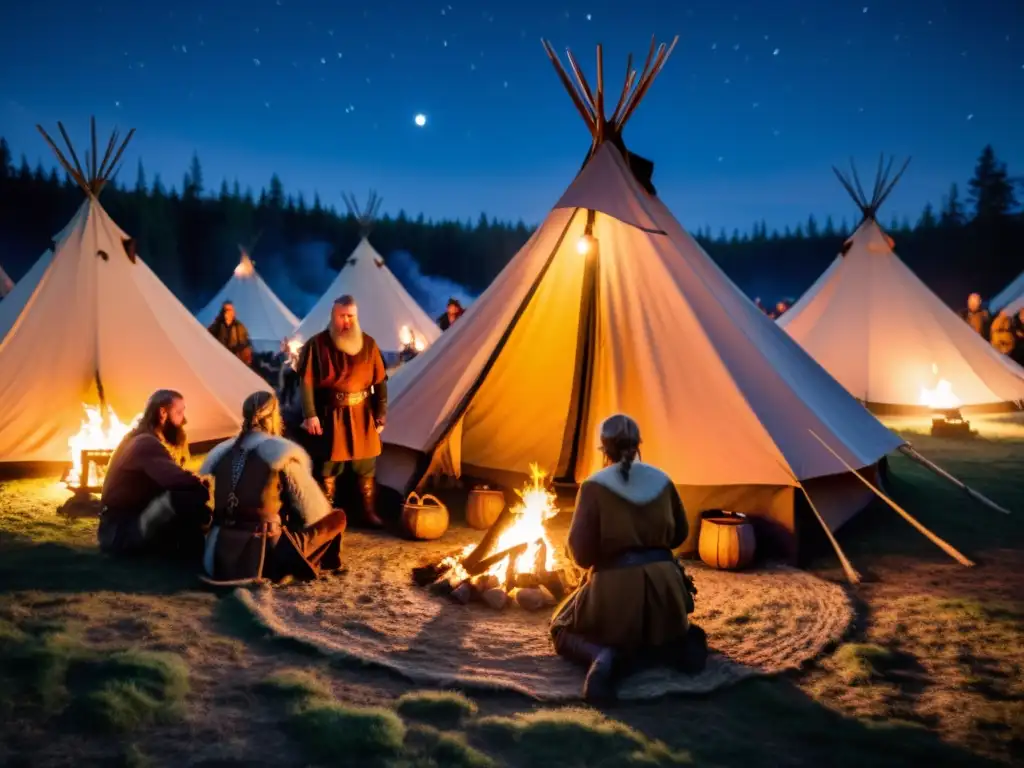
(105, 663)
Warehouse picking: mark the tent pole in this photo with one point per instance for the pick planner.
(908, 450)
(944, 546)
(851, 573)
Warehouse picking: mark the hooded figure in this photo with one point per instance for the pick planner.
(271, 520)
(636, 597)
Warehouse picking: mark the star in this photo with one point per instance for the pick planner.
(775, 52)
(736, 47)
(117, 104)
(444, 43)
(589, 17)
(256, 62)
(720, 158)
(755, 105)
(896, 38)
(714, 46)
(330, 33)
(266, 104)
(865, 10)
(472, 67)
(340, 54)
(970, 116)
(323, 60)
(505, 83)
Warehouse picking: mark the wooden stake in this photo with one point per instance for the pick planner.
(944, 546)
(851, 573)
(908, 450)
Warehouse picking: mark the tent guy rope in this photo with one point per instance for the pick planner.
(851, 573)
(908, 450)
(940, 543)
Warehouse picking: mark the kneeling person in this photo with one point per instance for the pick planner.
(270, 520)
(151, 504)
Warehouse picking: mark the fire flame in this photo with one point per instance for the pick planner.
(293, 346)
(98, 432)
(245, 267)
(940, 397)
(408, 338)
(530, 515)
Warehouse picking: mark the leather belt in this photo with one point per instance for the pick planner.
(348, 399)
(635, 558)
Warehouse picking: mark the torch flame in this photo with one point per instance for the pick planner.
(940, 397)
(418, 345)
(405, 335)
(294, 345)
(98, 432)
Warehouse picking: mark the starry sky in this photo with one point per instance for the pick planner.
(756, 103)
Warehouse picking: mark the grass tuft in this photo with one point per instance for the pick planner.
(861, 663)
(295, 684)
(333, 732)
(442, 709)
(427, 746)
(133, 689)
(576, 737)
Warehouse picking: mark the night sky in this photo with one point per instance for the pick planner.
(756, 103)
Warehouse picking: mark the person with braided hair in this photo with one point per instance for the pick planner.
(271, 520)
(635, 598)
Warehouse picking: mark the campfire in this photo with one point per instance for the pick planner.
(515, 560)
(940, 397)
(412, 344)
(92, 446)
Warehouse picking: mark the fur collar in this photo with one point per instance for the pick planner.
(276, 451)
(644, 485)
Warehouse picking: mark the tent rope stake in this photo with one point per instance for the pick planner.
(851, 573)
(908, 450)
(940, 543)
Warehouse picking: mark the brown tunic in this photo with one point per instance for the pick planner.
(635, 607)
(350, 429)
(141, 469)
(1001, 334)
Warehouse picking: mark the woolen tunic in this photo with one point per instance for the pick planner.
(350, 431)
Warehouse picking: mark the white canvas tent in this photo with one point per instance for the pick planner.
(266, 317)
(385, 307)
(6, 284)
(1011, 298)
(14, 302)
(611, 306)
(886, 337)
(100, 327)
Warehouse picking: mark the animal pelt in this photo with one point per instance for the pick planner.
(644, 485)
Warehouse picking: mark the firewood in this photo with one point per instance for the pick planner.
(533, 598)
(482, 565)
(443, 586)
(425, 575)
(496, 598)
(483, 550)
(463, 593)
(526, 580)
(540, 558)
(485, 581)
(558, 582)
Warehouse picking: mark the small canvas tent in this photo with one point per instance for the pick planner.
(15, 301)
(885, 336)
(1011, 298)
(611, 306)
(266, 317)
(6, 284)
(386, 310)
(99, 328)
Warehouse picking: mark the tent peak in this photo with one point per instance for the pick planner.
(366, 216)
(883, 186)
(590, 102)
(93, 176)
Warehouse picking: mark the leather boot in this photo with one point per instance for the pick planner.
(601, 662)
(368, 490)
(328, 483)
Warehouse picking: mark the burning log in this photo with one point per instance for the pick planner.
(533, 598)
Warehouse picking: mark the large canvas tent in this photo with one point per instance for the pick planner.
(386, 310)
(100, 327)
(266, 317)
(1011, 299)
(611, 306)
(883, 334)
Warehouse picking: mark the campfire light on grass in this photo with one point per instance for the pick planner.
(99, 432)
(514, 559)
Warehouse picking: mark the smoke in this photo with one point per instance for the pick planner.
(430, 291)
(299, 277)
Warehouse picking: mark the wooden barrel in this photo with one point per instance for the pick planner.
(726, 542)
(424, 517)
(483, 507)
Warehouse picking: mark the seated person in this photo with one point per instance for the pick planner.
(635, 598)
(150, 504)
(270, 519)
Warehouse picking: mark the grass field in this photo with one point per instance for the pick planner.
(105, 663)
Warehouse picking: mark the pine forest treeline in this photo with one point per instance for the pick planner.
(189, 233)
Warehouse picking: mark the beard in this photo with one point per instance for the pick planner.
(349, 340)
(176, 440)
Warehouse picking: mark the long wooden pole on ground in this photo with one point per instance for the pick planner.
(851, 573)
(943, 545)
(909, 450)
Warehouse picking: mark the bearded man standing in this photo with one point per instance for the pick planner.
(344, 402)
(150, 503)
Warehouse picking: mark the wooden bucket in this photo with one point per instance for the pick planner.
(726, 542)
(424, 517)
(483, 507)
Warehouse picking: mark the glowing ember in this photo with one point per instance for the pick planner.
(529, 517)
(940, 397)
(97, 433)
